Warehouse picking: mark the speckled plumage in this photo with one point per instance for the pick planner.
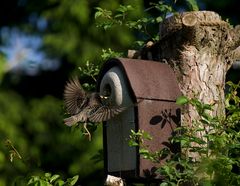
(84, 107)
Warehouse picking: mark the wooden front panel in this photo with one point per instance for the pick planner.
(158, 118)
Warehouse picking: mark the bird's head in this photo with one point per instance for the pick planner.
(96, 99)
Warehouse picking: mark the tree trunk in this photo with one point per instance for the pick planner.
(200, 48)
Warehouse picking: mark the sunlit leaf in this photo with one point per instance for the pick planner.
(73, 180)
(54, 178)
(181, 100)
(192, 4)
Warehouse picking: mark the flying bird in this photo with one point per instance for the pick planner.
(86, 107)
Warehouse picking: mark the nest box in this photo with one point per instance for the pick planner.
(154, 86)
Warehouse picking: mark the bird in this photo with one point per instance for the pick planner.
(86, 106)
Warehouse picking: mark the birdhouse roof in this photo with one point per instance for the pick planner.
(147, 79)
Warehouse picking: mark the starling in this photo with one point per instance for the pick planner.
(86, 107)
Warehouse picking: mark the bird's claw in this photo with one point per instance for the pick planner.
(87, 133)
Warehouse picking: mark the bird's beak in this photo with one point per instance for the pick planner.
(104, 97)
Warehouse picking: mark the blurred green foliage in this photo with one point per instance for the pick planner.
(73, 33)
(31, 116)
(37, 132)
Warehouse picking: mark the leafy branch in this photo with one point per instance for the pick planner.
(13, 153)
(138, 139)
(44, 180)
(51, 180)
(122, 17)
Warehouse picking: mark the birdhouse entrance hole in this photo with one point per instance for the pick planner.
(107, 91)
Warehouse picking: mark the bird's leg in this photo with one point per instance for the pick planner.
(87, 131)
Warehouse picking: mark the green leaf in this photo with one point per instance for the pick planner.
(197, 104)
(198, 140)
(132, 143)
(204, 121)
(42, 183)
(206, 116)
(124, 9)
(184, 142)
(47, 175)
(192, 4)
(99, 9)
(147, 136)
(107, 26)
(72, 180)
(181, 100)
(129, 7)
(54, 178)
(32, 180)
(139, 27)
(159, 19)
(98, 14)
(59, 183)
(143, 151)
(207, 107)
(132, 131)
(118, 15)
(164, 184)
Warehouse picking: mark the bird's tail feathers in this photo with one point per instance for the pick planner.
(69, 121)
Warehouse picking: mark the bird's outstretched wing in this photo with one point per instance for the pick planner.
(104, 113)
(74, 96)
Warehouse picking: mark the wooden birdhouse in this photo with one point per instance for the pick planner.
(154, 87)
